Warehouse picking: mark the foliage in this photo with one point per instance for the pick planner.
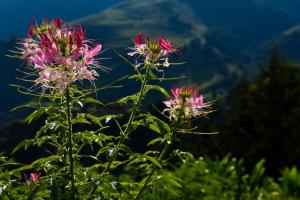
(204, 178)
(85, 146)
(261, 117)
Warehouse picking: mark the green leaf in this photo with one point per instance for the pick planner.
(94, 119)
(126, 99)
(98, 120)
(92, 100)
(153, 160)
(24, 143)
(257, 174)
(116, 186)
(157, 88)
(90, 137)
(53, 188)
(33, 103)
(184, 131)
(153, 123)
(41, 140)
(35, 115)
(143, 159)
(45, 160)
(135, 76)
(156, 140)
(80, 120)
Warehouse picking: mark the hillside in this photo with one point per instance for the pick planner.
(211, 57)
(218, 40)
(249, 21)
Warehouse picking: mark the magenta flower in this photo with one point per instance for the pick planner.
(35, 176)
(185, 103)
(59, 54)
(32, 177)
(156, 52)
(166, 47)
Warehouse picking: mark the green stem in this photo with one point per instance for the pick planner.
(127, 130)
(163, 153)
(70, 143)
(161, 156)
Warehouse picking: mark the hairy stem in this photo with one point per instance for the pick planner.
(161, 156)
(127, 130)
(70, 143)
(163, 153)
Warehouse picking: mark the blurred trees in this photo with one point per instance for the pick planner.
(263, 117)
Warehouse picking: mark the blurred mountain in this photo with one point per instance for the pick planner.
(251, 21)
(15, 15)
(211, 56)
(287, 43)
(219, 39)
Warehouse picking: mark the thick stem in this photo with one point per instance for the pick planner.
(70, 143)
(127, 131)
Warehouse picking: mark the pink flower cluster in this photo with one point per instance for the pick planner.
(59, 54)
(152, 52)
(185, 103)
(32, 177)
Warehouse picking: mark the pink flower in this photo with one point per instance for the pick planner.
(35, 176)
(89, 54)
(138, 39)
(186, 103)
(166, 46)
(32, 177)
(61, 55)
(58, 22)
(156, 52)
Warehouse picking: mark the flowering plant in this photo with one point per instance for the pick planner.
(153, 53)
(186, 103)
(60, 57)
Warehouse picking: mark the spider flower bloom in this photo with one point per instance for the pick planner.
(32, 177)
(152, 52)
(59, 54)
(185, 103)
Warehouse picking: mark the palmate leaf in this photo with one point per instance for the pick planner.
(136, 76)
(126, 99)
(153, 123)
(93, 101)
(137, 159)
(24, 144)
(105, 118)
(41, 140)
(168, 183)
(157, 88)
(35, 102)
(90, 137)
(35, 115)
(156, 140)
(80, 119)
(42, 162)
(50, 126)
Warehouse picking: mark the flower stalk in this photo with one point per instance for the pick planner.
(70, 142)
(185, 104)
(160, 158)
(127, 131)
